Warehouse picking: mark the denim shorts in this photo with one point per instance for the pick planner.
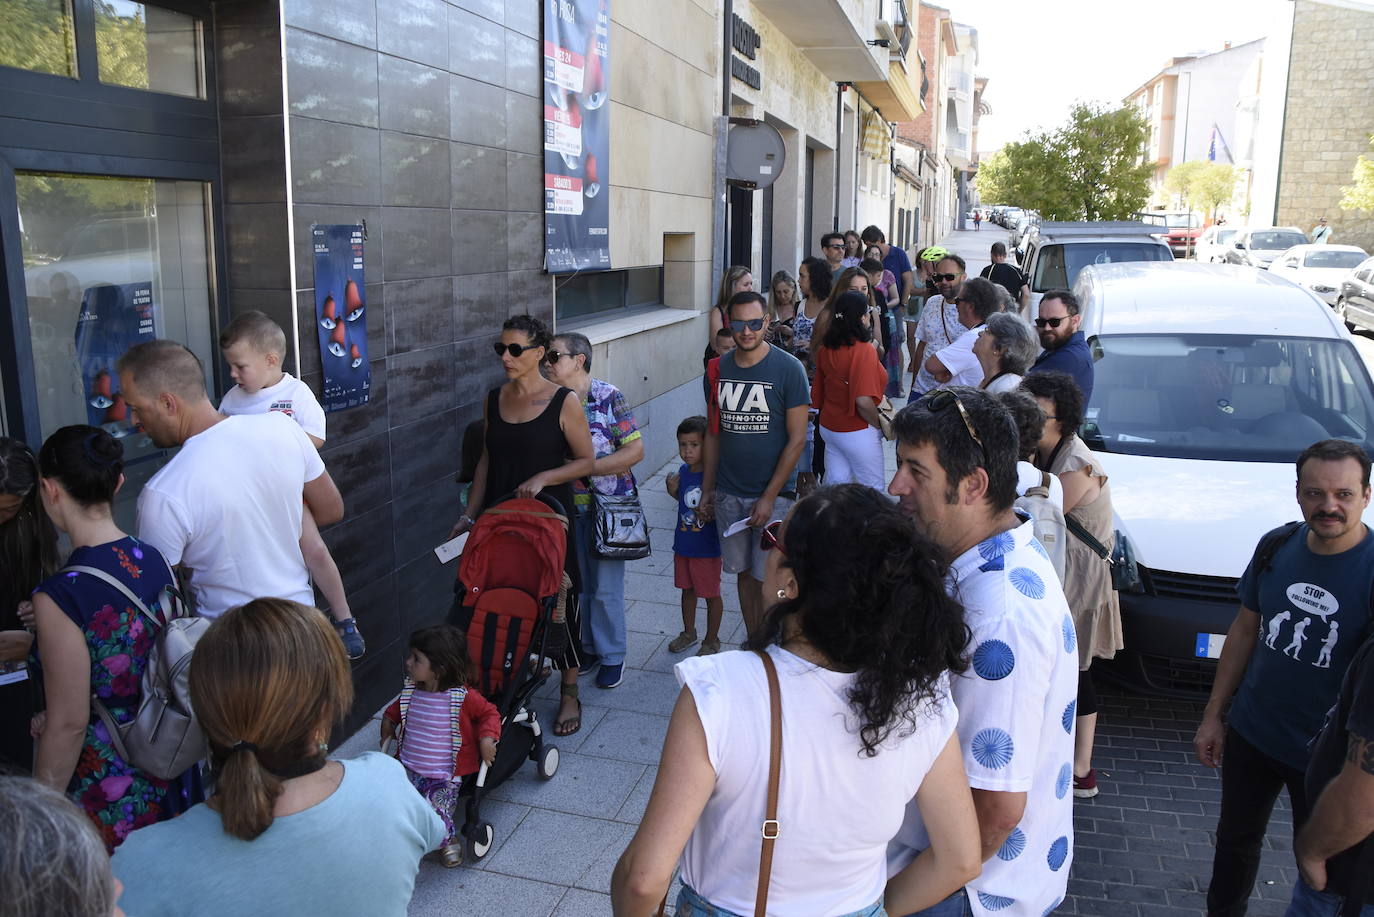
(690, 904)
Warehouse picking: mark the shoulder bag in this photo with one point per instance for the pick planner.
(1125, 573)
(622, 533)
(770, 829)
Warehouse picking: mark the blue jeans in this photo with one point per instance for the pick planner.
(690, 904)
(956, 905)
(1309, 903)
(603, 595)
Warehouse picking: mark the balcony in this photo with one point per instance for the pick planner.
(832, 34)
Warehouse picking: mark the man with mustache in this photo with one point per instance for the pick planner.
(1308, 580)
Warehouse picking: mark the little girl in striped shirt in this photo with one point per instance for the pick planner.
(441, 725)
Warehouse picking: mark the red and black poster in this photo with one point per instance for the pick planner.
(577, 135)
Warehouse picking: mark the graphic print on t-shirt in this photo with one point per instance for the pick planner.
(1312, 609)
(688, 520)
(743, 406)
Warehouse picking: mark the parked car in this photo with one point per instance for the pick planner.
(1210, 380)
(1320, 268)
(1057, 251)
(1180, 229)
(1213, 243)
(1021, 231)
(1010, 215)
(1259, 247)
(1355, 302)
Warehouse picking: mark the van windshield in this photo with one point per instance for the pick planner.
(1226, 398)
(1057, 266)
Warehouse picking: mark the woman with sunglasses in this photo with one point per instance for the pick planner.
(862, 636)
(618, 447)
(847, 388)
(1087, 575)
(537, 441)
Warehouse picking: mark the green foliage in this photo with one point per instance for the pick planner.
(1203, 185)
(1360, 196)
(37, 35)
(1087, 169)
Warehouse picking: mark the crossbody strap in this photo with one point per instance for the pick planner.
(1083, 535)
(110, 580)
(771, 828)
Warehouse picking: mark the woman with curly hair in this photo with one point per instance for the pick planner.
(862, 636)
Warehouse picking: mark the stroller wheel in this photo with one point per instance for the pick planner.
(478, 844)
(547, 765)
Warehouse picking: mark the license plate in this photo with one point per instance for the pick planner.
(1208, 646)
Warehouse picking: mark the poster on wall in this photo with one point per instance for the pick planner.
(113, 318)
(341, 316)
(577, 135)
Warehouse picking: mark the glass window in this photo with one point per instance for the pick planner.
(1227, 398)
(1334, 258)
(605, 291)
(147, 47)
(37, 35)
(1058, 265)
(110, 262)
(1276, 240)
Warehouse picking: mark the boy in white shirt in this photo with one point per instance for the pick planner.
(253, 345)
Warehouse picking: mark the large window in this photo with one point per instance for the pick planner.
(594, 293)
(38, 35)
(1058, 265)
(147, 47)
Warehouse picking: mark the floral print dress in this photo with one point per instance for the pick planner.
(118, 797)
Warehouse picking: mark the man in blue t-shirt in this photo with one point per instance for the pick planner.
(758, 428)
(1305, 610)
(1065, 349)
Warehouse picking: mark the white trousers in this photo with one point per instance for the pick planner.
(854, 457)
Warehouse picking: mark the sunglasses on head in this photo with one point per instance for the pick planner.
(1050, 322)
(515, 349)
(768, 538)
(739, 325)
(947, 278)
(943, 399)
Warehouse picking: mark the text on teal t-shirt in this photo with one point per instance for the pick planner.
(753, 402)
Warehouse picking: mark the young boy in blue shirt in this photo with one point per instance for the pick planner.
(696, 545)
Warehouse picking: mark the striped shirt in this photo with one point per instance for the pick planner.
(428, 746)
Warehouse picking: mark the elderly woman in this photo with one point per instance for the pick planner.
(1087, 575)
(861, 638)
(1005, 350)
(51, 861)
(28, 553)
(618, 448)
(269, 680)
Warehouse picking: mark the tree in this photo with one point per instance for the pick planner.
(1203, 185)
(1360, 196)
(1087, 169)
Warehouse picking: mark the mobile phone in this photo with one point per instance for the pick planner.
(451, 548)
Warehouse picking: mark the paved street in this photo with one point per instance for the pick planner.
(1143, 846)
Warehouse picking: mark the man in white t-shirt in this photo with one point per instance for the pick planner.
(957, 364)
(227, 507)
(939, 325)
(956, 476)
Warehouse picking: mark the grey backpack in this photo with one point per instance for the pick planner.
(163, 739)
(1047, 521)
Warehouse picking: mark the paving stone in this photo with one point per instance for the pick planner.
(553, 847)
(628, 736)
(582, 786)
(597, 876)
(582, 903)
(441, 892)
(633, 809)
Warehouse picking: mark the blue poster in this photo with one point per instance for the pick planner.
(577, 136)
(113, 318)
(341, 316)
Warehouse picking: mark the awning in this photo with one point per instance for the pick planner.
(876, 141)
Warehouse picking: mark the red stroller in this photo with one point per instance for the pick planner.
(511, 571)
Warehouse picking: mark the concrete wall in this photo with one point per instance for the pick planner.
(1330, 115)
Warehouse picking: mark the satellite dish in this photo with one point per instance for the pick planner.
(754, 154)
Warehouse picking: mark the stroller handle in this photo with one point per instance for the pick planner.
(547, 499)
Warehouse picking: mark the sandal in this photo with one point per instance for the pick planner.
(451, 855)
(569, 725)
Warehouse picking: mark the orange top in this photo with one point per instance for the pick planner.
(842, 375)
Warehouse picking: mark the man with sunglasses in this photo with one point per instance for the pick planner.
(832, 249)
(755, 437)
(939, 324)
(956, 477)
(1065, 351)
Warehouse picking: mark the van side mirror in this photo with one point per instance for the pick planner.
(1240, 245)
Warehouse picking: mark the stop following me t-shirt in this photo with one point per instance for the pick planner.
(752, 407)
(1314, 614)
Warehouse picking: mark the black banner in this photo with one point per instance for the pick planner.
(577, 135)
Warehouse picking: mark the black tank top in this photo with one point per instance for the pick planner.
(517, 452)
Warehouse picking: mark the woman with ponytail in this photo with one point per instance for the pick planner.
(93, 642)
(862, 636)
(288, 830)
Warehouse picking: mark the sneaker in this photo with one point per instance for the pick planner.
(610, 675)
(1085, 787)
(589, 664)
(709, 648)
(352, 638)
(682, 641)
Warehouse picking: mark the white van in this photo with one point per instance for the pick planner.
(1057, 251)
(1209, 380)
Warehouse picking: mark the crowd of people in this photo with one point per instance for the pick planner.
(916, 665)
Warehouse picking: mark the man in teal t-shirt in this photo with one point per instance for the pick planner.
(1305, 610)
(757, 430)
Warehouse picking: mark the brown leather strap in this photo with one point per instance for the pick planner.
(770, 828)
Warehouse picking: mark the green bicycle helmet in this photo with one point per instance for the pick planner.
(934, 253)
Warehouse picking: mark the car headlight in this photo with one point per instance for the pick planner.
(1321, 288)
